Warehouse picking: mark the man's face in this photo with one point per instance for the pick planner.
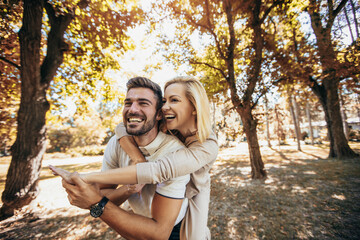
(139, 114)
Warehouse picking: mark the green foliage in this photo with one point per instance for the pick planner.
(93, 150)
(60, 139)
(81, 130)
(95, 38)
(9, 73)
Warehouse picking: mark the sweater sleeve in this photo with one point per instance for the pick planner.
(179, 163)
(120, 131)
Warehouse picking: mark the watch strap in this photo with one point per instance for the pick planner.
(103, 202)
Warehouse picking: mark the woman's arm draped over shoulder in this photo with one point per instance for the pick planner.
(179, 163)
(128, 144)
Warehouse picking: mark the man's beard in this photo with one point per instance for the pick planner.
(143, 130)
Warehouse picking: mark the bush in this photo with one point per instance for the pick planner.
(60, 139)
(93, 150)
(354, 135)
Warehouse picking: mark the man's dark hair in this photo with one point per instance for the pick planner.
(142, 82)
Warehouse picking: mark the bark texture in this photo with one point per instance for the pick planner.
(328, 90)
(29, 147)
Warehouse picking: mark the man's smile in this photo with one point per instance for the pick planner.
(134, 120)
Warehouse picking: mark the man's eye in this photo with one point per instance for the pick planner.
(127, 104)
(144, 103)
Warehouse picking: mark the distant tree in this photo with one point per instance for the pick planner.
(85, 27)
(320, 64)
(279, 126)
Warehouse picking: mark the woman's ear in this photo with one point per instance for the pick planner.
(194, 112)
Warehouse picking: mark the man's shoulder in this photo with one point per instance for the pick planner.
(113, 142)
(170, 140)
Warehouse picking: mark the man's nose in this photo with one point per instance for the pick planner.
(134, 108)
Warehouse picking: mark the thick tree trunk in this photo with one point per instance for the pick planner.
(29, 147)
(27, 151)
(249, 126)
(329, 88)
(341, 146)
(320, 92)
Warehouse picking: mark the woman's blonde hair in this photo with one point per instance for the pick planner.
(196, 94)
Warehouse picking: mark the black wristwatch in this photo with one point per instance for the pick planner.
(97, 209)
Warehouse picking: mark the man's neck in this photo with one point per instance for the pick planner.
(146, 138)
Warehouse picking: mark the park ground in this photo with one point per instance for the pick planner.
(305, 196)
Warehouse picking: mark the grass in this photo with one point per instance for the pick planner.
(306, 196)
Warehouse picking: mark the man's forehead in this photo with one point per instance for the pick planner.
(140, 94)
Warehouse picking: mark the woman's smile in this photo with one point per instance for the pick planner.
(178, 110)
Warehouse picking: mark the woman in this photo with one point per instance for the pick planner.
(186, 110)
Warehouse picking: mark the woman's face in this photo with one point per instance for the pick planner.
(178, 111)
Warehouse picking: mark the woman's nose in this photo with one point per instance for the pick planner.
(165, 107)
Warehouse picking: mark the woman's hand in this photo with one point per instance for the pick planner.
(134, 188)
(66, 175)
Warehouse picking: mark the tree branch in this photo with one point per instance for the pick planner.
(10, 62)
(267, 12)
(264, 91)
(334, 13)
(204, 27)
(208, 65)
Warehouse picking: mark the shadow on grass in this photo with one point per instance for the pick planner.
(58, 227)
(301, 199)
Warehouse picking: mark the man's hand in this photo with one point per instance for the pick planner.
(81, 194)
(66, 175)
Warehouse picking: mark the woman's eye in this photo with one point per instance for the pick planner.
(174, 100)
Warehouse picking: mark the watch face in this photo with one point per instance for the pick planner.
(96, 211)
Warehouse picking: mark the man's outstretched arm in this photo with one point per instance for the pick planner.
(131, 226)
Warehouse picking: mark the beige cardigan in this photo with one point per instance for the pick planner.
(196, 159)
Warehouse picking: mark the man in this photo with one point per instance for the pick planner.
(159, 207)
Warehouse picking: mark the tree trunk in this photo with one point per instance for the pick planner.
(29, 147)
(320, 92)
(344, 117)
(311, 132)
(295, 121)
(279, 129)
(331, 78)
(267, 122)
(341, 146)
(27, 151)
(249, 126)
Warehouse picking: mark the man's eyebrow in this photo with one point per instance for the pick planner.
(138, 99)
(144, 99)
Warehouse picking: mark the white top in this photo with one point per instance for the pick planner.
(115, 157)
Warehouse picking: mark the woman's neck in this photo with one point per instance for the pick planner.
(188, 132)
